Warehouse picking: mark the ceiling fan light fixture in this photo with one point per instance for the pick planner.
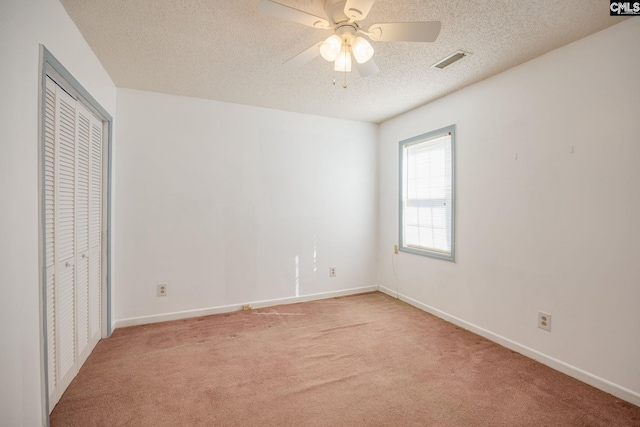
(330, 48)
(362, 50)
(343, 61)
(343, 17)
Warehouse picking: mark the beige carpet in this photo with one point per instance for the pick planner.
(364, 360)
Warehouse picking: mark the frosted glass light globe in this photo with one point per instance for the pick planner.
(343, 61)
(362, 50)
(330, 48)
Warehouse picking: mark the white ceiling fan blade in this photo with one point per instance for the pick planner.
(278, 10)
(369, 68)
(303, 57)
(405, 31)
(358, 9)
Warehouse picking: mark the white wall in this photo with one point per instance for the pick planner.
(219, 200)
(550, 231)
(24, 24)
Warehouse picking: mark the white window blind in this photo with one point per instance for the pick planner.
(427, 194)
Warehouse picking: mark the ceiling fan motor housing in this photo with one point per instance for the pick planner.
(334, 10)
(347, 30)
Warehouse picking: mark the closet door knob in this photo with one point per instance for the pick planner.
(67, 264)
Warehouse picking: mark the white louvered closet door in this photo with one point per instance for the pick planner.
(83, 142)
(49, 158)
(65, 237)
(95, 231)
(73, 191)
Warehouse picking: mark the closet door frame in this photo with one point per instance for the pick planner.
(50, 66)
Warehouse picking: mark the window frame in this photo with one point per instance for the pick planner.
(415, 140)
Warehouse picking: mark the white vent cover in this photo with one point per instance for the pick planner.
(454, 57)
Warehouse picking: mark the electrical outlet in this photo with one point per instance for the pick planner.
(544, 321)
(163, 289)
(332, 272)
(395, 249)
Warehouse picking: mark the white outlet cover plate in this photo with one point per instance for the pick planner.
(544, 321)
(166, 289)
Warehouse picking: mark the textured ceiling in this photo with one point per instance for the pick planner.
(226, 51)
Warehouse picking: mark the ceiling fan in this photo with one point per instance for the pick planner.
(349, 38)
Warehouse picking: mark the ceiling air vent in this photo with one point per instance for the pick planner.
(454, 57)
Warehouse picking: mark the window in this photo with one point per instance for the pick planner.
(427, 194)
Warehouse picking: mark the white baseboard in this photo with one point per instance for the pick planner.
(577, 373)
(143, 320)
